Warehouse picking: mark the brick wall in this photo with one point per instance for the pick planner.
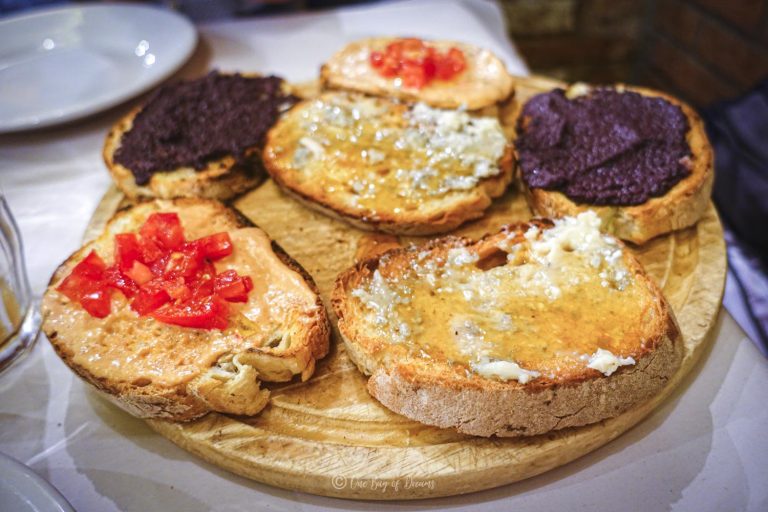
(592, 40)
(701, 50)
(706, 50)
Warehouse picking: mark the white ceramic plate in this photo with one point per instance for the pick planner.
(63, 64)
(22, 490)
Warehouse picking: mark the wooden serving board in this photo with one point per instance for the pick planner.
(327, 436)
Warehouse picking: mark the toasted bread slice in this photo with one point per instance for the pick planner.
(483, 83)
(222, 177)
(158, 370)
(536, 328)
(383, 165)
(682, 206)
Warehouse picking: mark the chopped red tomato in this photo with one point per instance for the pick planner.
(178, 290)
(127, 250)
(86, 285)
(184, 263)
(216, 246)
(139, 273)
(209, 312)
(417, 63)
(162, 275)
(149, 298)
(232, 287)
(150, 251)
(96, 302)
(164, 229)
(119, 281)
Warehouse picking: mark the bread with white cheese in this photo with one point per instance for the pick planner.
(383, 165)
(539, 327)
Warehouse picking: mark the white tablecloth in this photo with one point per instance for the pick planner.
(705, 449)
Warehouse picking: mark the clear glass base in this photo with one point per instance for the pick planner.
(20, 342)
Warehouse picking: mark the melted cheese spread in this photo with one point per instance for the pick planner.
(606, 362)
(557, 295)
(378, 155)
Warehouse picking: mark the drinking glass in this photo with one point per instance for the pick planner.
(19, 317)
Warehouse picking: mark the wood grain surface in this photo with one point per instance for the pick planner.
(327, 436)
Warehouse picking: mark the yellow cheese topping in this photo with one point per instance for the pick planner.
(559, 301)
(380, 155)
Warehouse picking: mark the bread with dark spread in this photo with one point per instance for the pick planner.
(199, 138)
(681, 206)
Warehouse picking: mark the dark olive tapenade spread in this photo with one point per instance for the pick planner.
(190, 123)
(603, 148)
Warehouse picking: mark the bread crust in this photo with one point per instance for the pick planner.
(236, 392)
(681, 207)
(222, 179)
(450, 396)
(485, 82)
(441, 215)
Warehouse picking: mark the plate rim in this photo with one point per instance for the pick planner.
(188, 35)
(12, 466)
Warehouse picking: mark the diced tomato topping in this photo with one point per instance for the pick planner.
(164, 229)
(216, 246)
(149, 298)
(96, 302)
(150, 251)
(416, 63)
(178, 290)
(139, 273)
(185, 263)
(162, 275)
(84, 278)
(209, 312)
(119, 281)
(127, 250)
(232, 287)
(87, 285)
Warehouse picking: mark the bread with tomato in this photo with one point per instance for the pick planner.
(181, 307)
(445, 74)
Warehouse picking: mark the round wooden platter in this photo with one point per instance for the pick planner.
(327, 436)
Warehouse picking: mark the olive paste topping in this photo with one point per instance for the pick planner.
(190, 123)
(603, 148)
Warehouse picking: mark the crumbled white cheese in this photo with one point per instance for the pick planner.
(460, 256)
(313, 146)
(452, 150)
(606, 362)
(382, 300)
(551, 254)
(478, 143)
(504, 370)
(469, 337)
